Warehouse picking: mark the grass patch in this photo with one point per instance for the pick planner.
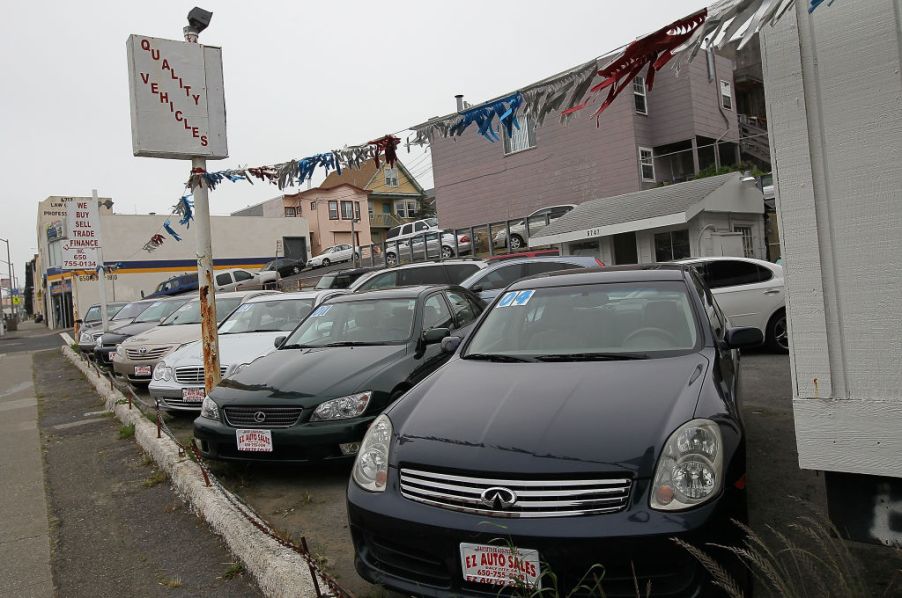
(171, 582)
(158, 477)
(234, 570)
(147, 460)
(127, 431)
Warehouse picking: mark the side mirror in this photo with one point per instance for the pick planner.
(142, 294)
(278, 341)
(477, 288)
(743, 336)
(79, 321)
(450, 344)
(435, 335)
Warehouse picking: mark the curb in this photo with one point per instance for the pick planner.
(279, 571)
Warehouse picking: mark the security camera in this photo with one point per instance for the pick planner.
(199, 19)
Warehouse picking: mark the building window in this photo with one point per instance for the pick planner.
(647, 164)
(347, 210)
(726, 95)
(673, 245)
(406, 208)
(333, 210)
(522, 138)
(356, 210)
(391, 177)
(290, 212)
(370, 211)
(639, 95)
(312, 206)
(748, 245)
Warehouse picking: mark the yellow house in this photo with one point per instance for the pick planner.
(395, 196)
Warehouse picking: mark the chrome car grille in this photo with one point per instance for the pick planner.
(262, 417)
(193, 374)
(148, 353)
(180, 403)
(507, 497)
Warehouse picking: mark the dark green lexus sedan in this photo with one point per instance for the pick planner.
(315, 396)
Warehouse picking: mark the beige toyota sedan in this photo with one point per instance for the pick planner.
(136, 357)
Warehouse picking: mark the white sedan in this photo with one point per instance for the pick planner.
(247, 333)
(750, 292)
(537, 221)
(333, 255)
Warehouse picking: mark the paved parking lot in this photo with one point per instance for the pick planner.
(309, 500)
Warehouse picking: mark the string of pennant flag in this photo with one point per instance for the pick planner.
(724, 22)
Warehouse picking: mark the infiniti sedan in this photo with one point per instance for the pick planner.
(589, 418)
(350, 358)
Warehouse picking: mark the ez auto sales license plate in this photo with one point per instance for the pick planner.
(142, 370)
(500, 565)
(193, 395)
(254, 441)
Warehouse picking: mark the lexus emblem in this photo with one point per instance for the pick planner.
(259, 417)
(498, 498)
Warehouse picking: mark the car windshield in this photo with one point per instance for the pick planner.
(158, 310)
(189, 313)
(367, 322)
(130, 311)
(267, 316)
(334, 281)
(588, 322)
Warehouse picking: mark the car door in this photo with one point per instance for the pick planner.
(243, 279)
(727, 360)
(428, 358)
(224, 281)
(740, 291)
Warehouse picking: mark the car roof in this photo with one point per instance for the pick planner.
(287, 296)
(570, 259)
(634, 273)
(411, 292)
(726, 258)
(361, 270)
(479, 263)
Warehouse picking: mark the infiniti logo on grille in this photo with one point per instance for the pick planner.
(259, 417)
(498, 498)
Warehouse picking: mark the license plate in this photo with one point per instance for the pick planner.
(193, 395)
(142, 370)
(254, 441)
(500, 565)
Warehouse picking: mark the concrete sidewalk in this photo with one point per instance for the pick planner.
(24, 528)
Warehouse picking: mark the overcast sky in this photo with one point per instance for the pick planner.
(301, 77)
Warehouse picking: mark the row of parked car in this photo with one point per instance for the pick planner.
(592, 413)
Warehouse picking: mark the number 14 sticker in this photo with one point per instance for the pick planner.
(516, 298)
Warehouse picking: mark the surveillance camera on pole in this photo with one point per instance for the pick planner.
(178, 111)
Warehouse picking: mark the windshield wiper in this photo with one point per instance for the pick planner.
(591, 356)
(354, 344)
(296, 346)
(498, 357)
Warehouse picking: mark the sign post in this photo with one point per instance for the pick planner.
(178, 111)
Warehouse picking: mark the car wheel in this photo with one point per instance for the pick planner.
(517, 242)
(778, 333)
(447, 252)
(391, 259)
(325, 263)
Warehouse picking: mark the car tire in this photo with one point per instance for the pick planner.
(325, 263)
(778, 333)
(516, 242)
(447, 252)
(391, 259)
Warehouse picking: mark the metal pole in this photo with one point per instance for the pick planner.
(9, 264)
(353, 236)
(101, 271)
(206, 289)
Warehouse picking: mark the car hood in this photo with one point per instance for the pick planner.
(120, 333)
(610, 416)
(233, 349)
(168, 335)
(308, 376)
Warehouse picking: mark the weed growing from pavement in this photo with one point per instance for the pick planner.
(127, 431)
(147, 460)
(234, 570)
(171, 582)
(158, 477)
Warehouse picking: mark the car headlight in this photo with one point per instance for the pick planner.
(86, 338)
(342, 407)
(371, 466)
(209, 409)
(120, 350)
(690, 469)
(162, 372)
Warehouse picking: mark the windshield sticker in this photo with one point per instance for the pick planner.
(516, 298)
(320, 311)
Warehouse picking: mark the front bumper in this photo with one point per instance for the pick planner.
(302, 442)
(102, 354)
(170, 396)
(126, 367)
(415, 548)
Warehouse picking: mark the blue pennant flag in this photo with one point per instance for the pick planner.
(171, 232)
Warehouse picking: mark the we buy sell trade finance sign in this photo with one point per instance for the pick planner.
(177, 99)
(79, 250)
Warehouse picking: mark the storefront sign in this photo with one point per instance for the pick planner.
(79, 251)
(177, 99)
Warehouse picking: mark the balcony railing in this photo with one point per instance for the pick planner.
(386, 220)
